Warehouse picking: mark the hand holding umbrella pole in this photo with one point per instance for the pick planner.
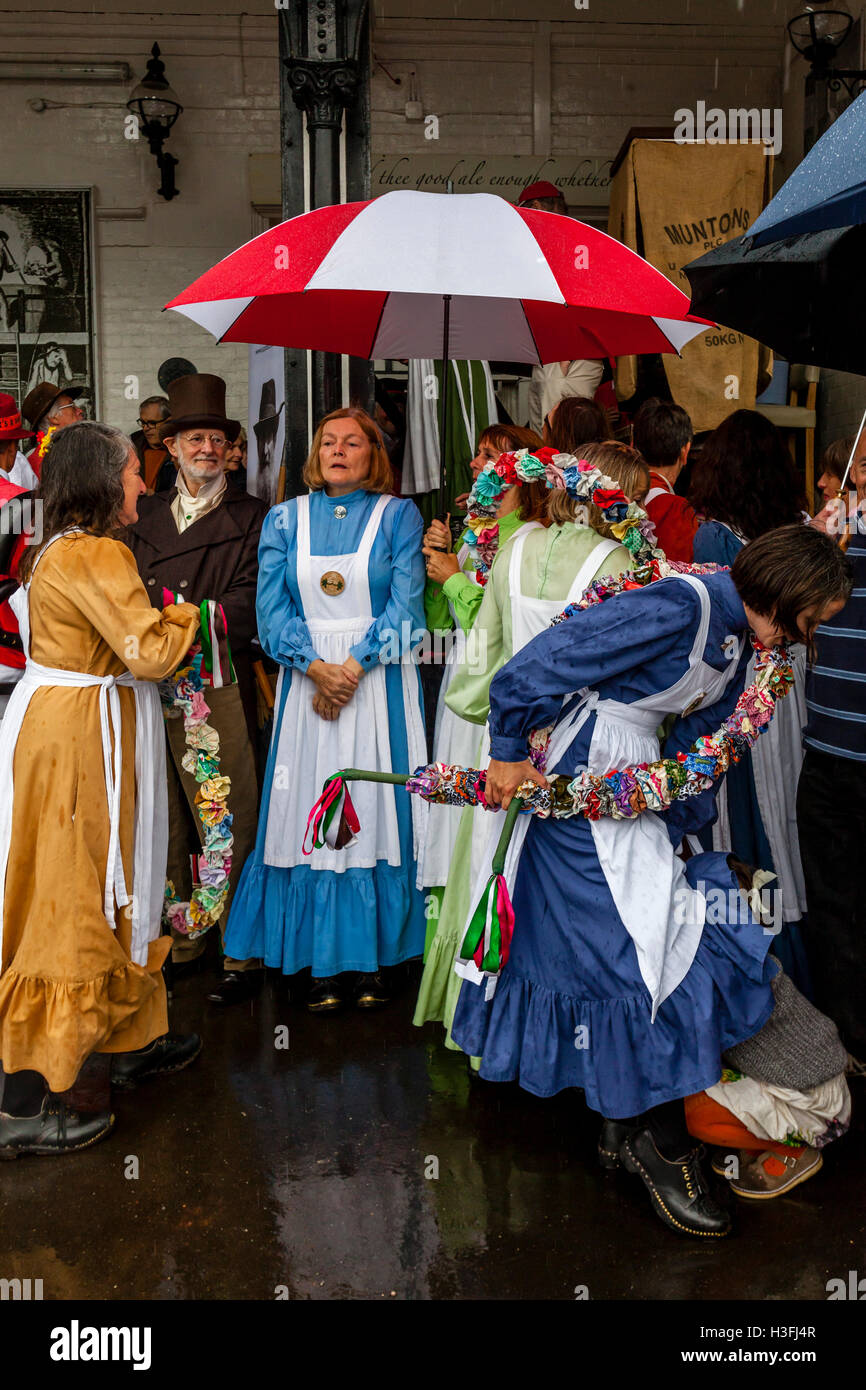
(846, 534)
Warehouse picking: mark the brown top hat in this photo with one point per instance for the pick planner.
(198, 400)
(42, 398)
(10, 420)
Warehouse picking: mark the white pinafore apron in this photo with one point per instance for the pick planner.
(529, 617)
(455, 741)
(151, 797)
(310, 749)
(662, 914)
(776, 761)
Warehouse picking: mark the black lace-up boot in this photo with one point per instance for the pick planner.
(677, 1188)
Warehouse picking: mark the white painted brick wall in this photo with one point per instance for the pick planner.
(223, 65)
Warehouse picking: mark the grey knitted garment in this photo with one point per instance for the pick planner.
(798, 1046)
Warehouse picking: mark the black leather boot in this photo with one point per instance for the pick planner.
(373, 991)
(236, 986)
(678, 1189)
(55, 1129)
(613, 1135)
(327, 994)
(172, 1052)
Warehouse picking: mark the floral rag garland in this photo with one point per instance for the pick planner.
(207, 663)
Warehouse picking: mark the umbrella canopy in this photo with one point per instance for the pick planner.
(369, 279)
(828, 187)
(805, 297)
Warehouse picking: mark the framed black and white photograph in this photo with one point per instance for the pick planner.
(46, 291)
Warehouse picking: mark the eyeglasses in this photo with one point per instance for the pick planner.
(217, 441)
(149, 424)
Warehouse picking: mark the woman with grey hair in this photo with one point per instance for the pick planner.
(83, 821)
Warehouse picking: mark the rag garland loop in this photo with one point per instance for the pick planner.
(207, 663)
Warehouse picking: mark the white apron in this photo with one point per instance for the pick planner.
(151, 797)
(529, 617)
(310, 749)
(662, 914)
(455, 741)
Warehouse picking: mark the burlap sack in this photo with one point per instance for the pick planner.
(672, 203)
(798, 1047)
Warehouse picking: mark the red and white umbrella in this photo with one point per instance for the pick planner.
(444, 276)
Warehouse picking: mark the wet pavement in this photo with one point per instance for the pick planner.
(309, 1172)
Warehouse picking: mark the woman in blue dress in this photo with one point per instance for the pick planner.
(631, 970)
(745, 484)
(339, 605)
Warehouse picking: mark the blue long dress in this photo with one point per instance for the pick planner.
(716, 544)
(571, 1007)
(362, 918)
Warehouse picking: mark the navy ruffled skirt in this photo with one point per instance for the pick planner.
(571, 1008)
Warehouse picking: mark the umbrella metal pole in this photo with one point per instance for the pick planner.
(443, 407)
(853, 452)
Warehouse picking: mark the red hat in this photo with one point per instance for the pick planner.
(539, 190)
(10, 419)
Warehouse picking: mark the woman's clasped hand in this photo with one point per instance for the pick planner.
(335, 685)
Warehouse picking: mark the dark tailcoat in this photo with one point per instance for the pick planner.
(216, 557)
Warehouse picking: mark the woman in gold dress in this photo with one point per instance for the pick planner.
(82, 815)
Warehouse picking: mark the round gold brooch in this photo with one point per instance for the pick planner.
(332, 583)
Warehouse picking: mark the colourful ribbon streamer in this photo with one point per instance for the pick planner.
(488, 936)
(333, 821)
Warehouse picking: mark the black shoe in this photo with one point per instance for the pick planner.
(373, 991)
(678, 1189)
(327, 995)
(55, 1129)
(171, 1052)
(236, 986)
(613, 1135)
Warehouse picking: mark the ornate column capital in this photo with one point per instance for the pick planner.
(323, 89)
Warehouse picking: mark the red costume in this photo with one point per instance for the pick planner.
(672, 517)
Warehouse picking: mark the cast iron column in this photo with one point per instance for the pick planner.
(324, 63)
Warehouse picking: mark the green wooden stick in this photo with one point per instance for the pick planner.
(354, 774)
(399, 779)
(514, 809)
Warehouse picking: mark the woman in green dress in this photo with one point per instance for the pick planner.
(452, 598)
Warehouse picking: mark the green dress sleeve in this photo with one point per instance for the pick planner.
(463, 592)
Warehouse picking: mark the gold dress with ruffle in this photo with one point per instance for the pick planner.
(67, 984)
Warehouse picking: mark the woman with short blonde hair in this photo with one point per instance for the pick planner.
(379, 478)
(339, 604)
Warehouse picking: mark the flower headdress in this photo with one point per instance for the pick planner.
(584, 482)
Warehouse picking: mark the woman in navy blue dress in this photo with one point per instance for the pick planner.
(631, 970)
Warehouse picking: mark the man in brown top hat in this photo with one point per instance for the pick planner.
(47, 407)
(201, 540)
